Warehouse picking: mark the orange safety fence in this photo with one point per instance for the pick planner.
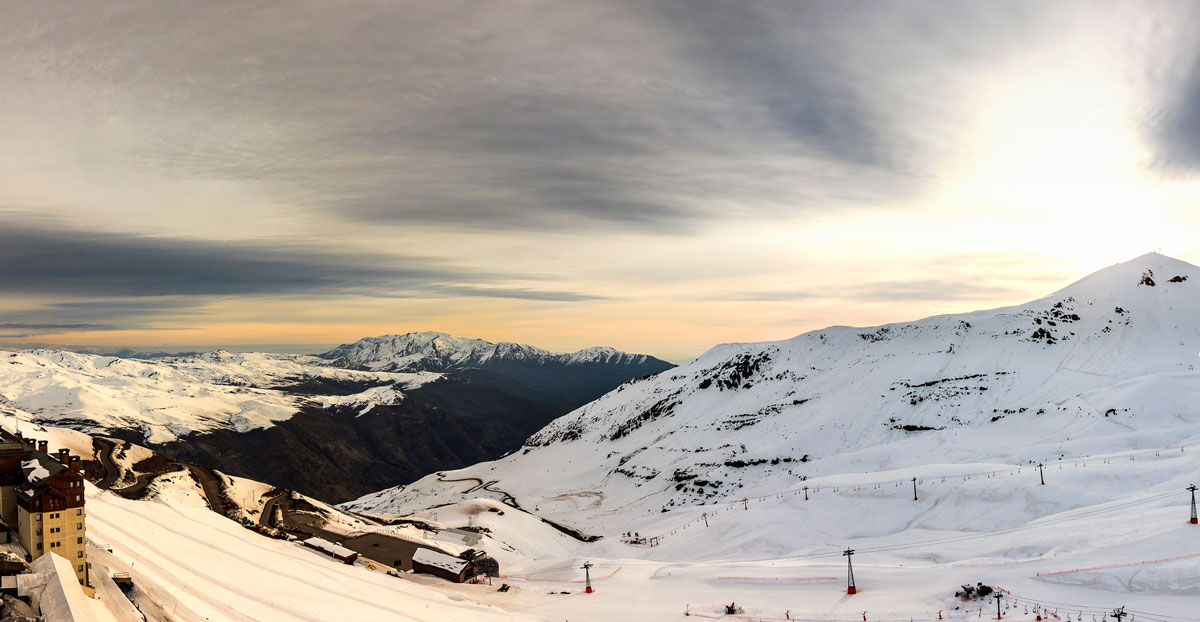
(1124, 565)
(781, 579)
(608, 576)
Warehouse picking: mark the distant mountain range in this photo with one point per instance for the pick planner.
(361, 417)
(566, 379)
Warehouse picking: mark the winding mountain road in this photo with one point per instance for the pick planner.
(511, 501)
(506, 498)
(105, 449)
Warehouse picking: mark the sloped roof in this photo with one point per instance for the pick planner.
(62, 599)
(328, 547)
(439, 560)
(37, 466)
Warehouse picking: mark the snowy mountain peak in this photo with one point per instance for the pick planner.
(435, 351)
(1136, 277)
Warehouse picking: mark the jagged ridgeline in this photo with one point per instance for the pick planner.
(361, 417)
(1104, 355)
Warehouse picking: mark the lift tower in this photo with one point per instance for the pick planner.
(850, 588)
(587, 575)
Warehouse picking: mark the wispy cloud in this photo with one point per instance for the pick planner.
(930, 289)
(21, 330)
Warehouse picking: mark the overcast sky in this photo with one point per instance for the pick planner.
(655, 176)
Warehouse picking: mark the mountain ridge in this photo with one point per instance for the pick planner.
(437, 351)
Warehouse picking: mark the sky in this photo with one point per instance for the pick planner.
(656, 176)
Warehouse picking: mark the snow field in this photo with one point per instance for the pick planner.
(172, 397)
(209, 568)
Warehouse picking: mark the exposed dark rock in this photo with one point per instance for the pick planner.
(337, 455)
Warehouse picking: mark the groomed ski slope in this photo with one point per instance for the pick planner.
(204, 567)
(1103, 532)
(773, 554)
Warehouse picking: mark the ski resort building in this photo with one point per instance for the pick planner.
(41, 501)
(335, 551)
(428, 561)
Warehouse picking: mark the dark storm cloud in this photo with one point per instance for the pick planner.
(69, 263)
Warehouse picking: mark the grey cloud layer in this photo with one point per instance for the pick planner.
(514, 114)
(71, 263)
(529, 114)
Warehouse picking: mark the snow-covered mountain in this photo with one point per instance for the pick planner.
(338, 427)
(1106, 363)
(569, 380)
(167, 398)
(432, 351)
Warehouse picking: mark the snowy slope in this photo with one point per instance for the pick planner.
(202, 567)
(441, 352)
(714, 458)
(1107, 360)
(170, 397)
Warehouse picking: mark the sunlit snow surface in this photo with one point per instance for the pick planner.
(168, 398)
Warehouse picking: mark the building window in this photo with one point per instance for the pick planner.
(39, 546)
(76, 498)
(39, 531)
(80, 555)
(78, 525)
(79, 512)
(39, 517)
(79, 540)
(80, 569)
